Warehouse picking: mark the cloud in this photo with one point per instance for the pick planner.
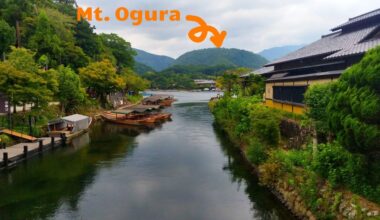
(251, 24)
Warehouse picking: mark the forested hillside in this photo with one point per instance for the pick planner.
(156, 62)
(47, 55)
(221, 56)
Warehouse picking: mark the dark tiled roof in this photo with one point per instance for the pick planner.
(358, 19)
(260, 71)
(328, 45)
(306, 76)
(356, 49)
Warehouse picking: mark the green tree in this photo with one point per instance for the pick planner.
(317, 97)
(120, 49)
(133, 81)
(7, 37)
(70, 92)
(230, 81)
(253, 84)
(87, 40)
(354, 108)
(45, 41)
(24, 81)
(102, 78)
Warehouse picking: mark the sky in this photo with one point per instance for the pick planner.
(251, 25)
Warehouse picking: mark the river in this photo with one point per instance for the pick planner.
(185, 169)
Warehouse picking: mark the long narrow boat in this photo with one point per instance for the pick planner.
(128, 117)
(161, 100)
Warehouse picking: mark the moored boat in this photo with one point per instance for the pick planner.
(128, 117)
(161, 100)
(70, 126)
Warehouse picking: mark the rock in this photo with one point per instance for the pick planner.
(352, 214)
(373, 213)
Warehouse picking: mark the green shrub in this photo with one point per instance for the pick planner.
(265, 124)
(336, 164)
(256, 152)
(5, 139)
(354, 109)
(317, 98)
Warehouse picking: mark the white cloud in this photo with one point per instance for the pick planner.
(251, 24)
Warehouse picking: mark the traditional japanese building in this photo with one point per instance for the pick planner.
(4, 105)
(322, 61)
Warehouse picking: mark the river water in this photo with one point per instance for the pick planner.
(185, 169)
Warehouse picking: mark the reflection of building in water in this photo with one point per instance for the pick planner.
(81, 141)
(205, 84)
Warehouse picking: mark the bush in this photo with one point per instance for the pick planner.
(317, 98)
(354, 109)
(265, 124)
(337, 165)
(256, 152)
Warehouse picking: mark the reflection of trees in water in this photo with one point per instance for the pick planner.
(264, 203)
(37, 189)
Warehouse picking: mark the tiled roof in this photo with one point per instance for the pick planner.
(328, 45)
(306, 76)
(358, 19)
(356, 49)
(260, 71)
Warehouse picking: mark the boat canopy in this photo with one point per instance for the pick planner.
(144, 108)
(79, 122)
(156, 98)
(123, 111)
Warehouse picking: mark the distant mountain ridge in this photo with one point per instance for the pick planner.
(274, 53)
(156, 62)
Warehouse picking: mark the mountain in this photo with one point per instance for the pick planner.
(221, 56)
(142, 68)
(277, 52)
(156, 62)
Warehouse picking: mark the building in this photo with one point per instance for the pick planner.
(205, 83)
(323, 61)
(4, 105)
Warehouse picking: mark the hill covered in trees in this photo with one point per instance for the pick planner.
(221, 56)
(156, 62)
(47, 55)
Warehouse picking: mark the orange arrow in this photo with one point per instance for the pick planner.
(218, 37)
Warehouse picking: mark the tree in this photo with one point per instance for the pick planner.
(70, 92)
(7, 37)
(22, 81)
(120, 49)
(230, 81)
(134, 82)
(45, 41)
(253, 84)
(87, 40)
(354, 108)
(317, 97)
(102, 78)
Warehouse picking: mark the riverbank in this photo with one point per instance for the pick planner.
(281, 153)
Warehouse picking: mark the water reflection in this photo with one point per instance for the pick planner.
(264, 204)
(186, 169)
(36, 189)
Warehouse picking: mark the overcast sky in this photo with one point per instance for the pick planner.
(252, 25)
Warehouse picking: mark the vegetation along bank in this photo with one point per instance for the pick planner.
(323, 164)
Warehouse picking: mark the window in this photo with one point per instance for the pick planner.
(292, 94)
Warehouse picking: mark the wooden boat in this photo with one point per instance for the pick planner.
(129, 117)
(161, 100)
(71, 126)
(162, 116)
